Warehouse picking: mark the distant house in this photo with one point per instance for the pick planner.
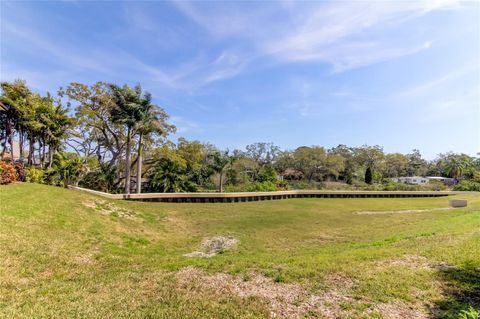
(418, 180)
(445, 180)
(412, 180)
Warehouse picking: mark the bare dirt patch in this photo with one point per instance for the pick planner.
(213, 246)
(288, 300)
(107, 208)
(397, 310)
(86, 258)
(410, 261)
(414, 261)
(406, 211)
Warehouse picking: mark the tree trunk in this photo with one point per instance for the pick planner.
(10, 141)
(50, 157)
(127, 164)
(139, 164)
(20, 143)
(40, 153)
(30, 150)
(43, 153)
(221, 182)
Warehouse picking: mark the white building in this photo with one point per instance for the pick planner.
(445, 180)
(418, 180)
(414, 180)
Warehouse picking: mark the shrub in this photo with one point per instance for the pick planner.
(283, 185)
(469, 313)
(435, 186)
(7, 173)
(389, 185)
(262, 187)
(20, 171)
(357, 184)
(466, 185)
(335, 186)
(34, 175)
(267, 174)
(305, 185)
(243, 187)
(168, 176)
(102, 179)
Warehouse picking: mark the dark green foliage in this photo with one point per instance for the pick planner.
(469, 313)
(262, 187)
(66, 169)
(218, 162)
(102, 179)
(368, 175)
(267, 174)
(467, 186)
(168, 176)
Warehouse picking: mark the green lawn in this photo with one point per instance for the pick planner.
(62, 255)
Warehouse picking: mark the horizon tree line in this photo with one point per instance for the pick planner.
(104, 124)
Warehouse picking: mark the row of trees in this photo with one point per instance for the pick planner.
(100, 135)
(38, 121)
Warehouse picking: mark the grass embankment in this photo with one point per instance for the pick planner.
(64, 253)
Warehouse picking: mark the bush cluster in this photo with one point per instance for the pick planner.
(469, 186)
(7, 173)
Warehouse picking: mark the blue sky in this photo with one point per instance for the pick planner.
(402, 74)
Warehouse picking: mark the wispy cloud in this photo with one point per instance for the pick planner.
(346, 35)
(69, 56)
(466, 69)
(183, 125)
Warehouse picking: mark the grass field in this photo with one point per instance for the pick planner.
(67, 254)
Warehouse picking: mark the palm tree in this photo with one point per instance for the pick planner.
(152, 121)
(168, 176)
(58, 130)
(455, 166)
(218, 162)
(127, 111)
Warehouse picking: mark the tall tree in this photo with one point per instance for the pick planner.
(368, 175)
(15, 96)
(457, 164)
(152, 120)
(263, 153)
(94, 133)
(311, 161)
(219, 162)
(396, 165)
(127, 111)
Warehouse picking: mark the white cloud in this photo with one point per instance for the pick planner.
(346, 35)
(183, 125)
(466, 69)
(69, 56)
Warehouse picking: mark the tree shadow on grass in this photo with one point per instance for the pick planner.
(461, 290)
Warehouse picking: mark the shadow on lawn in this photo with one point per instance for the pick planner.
(461, 290)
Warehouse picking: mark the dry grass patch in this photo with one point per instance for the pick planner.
(213, 246)
(288, 300)
(107, 208)
(405, 211)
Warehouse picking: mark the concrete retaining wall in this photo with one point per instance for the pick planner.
(258, 196)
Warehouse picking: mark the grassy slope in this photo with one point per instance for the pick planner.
(59, 258)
